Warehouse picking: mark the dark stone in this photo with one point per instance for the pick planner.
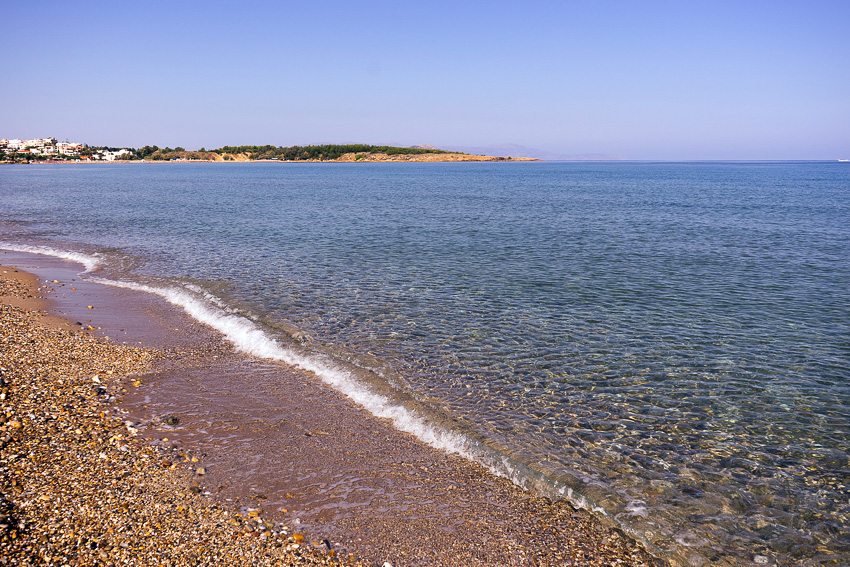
(171, 420)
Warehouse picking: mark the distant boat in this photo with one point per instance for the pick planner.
(839, 159)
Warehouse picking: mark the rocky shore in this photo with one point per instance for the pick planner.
(78, 486)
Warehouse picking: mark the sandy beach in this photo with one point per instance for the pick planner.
(93, 472)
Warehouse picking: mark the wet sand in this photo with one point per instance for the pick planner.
(275, 442)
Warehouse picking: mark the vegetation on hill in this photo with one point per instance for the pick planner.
(155, 153)
(321, 153)
(325, 152)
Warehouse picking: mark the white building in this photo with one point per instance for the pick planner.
(40, 146)
(69, 148)
(107, 155)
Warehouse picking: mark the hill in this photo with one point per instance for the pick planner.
(326, 152)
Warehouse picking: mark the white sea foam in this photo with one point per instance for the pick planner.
(637, 508)
(90, 262)
(248, 337)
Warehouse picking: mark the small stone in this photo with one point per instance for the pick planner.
(200, 471)
(171, 420)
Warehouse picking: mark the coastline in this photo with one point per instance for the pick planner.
(346, 158)
(77, 485)
(481, 520)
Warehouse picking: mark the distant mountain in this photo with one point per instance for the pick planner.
(515, 150)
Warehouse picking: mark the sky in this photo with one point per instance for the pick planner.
(634, 79)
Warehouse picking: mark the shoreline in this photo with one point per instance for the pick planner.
(78, 485)
(570, 535)
(92, 162)
(346, 158)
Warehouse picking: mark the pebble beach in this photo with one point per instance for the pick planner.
(79, 485)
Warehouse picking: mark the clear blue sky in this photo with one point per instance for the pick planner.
(639, 79)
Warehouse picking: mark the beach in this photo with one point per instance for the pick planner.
(79, 486)
(85, 482)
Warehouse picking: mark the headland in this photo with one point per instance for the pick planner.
(48, 150)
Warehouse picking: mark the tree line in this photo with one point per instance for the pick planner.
(321, 153)
(324, 152)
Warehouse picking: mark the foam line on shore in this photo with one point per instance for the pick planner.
(249, 338)
(89, 262)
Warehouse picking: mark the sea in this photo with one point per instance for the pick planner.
(664, 344)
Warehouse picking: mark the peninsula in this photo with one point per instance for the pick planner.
(49, 150)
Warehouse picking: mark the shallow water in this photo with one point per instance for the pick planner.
(670, 342)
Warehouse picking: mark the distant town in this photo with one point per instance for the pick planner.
(49, 149)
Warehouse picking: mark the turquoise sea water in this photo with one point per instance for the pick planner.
(665, 343)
